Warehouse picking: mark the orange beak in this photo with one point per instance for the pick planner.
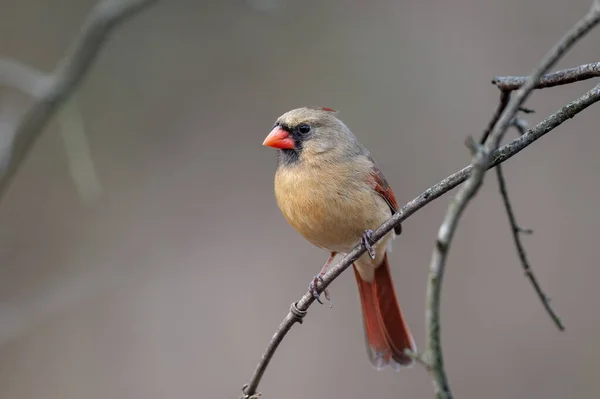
(279, 138)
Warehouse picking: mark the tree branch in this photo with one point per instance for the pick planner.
(482, 157)
(23, 77)
(35, 83)
(299, 308)
(56, 88)
(516, 231)
(77, 150)
(504, 99)
(563, 77)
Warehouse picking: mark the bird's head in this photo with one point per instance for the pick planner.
(309, 133)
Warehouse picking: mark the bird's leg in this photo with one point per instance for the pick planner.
(312, 287)
(367, 240)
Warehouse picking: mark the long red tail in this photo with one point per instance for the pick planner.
(386, 332)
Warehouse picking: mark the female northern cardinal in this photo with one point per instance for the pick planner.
(329, 189)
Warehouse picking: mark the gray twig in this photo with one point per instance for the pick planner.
(481, 162)
(504, 99)
(52, 90)
(516, 231)
(562, 77)
(520, 125)
(432, 193)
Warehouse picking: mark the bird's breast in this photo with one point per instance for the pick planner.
(330, 208)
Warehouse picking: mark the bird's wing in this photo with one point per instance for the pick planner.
(381, 186)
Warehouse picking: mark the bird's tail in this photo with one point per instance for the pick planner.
(386, 332)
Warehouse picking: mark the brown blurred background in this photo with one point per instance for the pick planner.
(172, 281)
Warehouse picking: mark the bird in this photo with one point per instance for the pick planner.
(329, 189)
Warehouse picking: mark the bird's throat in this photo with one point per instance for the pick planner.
(288, 157)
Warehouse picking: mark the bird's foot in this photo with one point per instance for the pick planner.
(313, 289)
(367, 240)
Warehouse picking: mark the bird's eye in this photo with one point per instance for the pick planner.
(304, 129)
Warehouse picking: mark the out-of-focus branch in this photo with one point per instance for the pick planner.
(77, 150)
(23, 77)
(52, 90)
(563, 77)
(299, 309)
(34, 83)
(482, 158)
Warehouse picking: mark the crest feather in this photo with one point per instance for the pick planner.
(327, 109)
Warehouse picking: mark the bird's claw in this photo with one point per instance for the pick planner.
(367, 240)
(312, 288)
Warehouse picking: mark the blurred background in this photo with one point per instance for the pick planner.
(170, 281)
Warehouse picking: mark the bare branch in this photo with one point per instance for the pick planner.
(481, 162)
(504, 99)
(433, 350)
(35, 83)
(563, 77)
(520, 125)
(23, 77)
(77, 150)
(516, 231)
(69, 72)
(526, 110)
(300, 308)
(417, 358)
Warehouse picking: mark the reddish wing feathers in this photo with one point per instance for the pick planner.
(383, 188)
(386, 332)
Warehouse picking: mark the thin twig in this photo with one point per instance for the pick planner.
(504, 99)
(481, 162)
(526, 110)
(520, 125)
(417, 358)
(516, 231)
(501, 155)
(562, 77)
(69, 72)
